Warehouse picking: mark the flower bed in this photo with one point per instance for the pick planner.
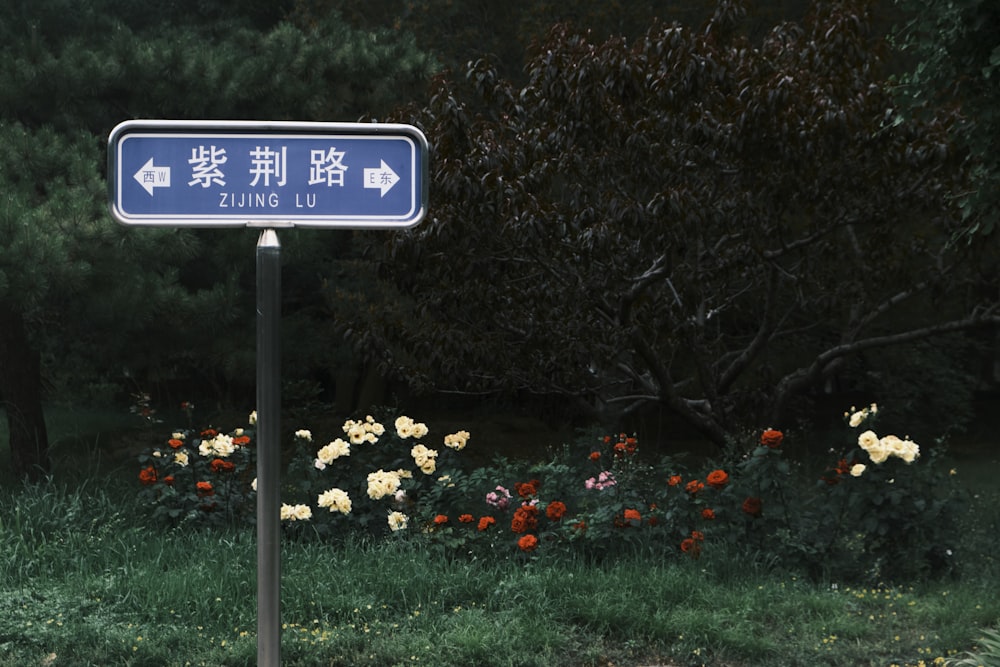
(879, 510)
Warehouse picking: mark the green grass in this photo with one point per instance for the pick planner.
(85, 582)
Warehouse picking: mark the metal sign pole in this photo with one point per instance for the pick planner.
(268, 450)
(174, 173)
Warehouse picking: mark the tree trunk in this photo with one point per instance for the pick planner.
(21, 395)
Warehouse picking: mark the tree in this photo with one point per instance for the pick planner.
(956, 46)
(694, 220)
(74, 286)
(460, 32)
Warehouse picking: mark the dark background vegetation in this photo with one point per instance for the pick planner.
(92, 314)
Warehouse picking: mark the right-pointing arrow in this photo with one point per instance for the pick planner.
(382, 178)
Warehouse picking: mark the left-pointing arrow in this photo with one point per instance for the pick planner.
(150, 176)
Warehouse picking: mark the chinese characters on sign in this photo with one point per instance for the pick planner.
(325, 166)
(343, 177)
(205, 166)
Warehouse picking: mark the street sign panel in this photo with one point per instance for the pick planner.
(275, 174)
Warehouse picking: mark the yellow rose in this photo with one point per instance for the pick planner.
(867, 440)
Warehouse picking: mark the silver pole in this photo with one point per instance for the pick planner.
(268, 450)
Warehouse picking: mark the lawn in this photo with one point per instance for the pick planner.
(86, 580)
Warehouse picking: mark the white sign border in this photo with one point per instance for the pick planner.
(277, 130)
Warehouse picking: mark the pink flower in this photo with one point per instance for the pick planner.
(603, 481)
(500, 500)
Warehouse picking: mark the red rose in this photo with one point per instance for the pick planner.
(528, 543)
(674, 480)
(694, 486)
(466, 518)
(633, 515)
(843, 467)
(205, 489)
(485, 522)
(556, 510)
(440, 519)
(209, 433)
(525, 519)
(241, 440)
(527, 489)
(771, 438)
(717, 479)
(175, 443)
(148, 475)
(221, 465)
(595, 456)
(708, 513)
(753, 506)
(691, 546)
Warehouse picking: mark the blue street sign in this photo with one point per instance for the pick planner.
(275, 174)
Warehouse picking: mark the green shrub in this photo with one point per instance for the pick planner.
(878, 512)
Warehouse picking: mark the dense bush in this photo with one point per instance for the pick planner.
(877, 510)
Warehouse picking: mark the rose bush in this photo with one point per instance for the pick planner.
(879, 509)
(200, 477)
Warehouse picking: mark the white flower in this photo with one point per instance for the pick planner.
(878, 453)
(304, 434)
(857, 418)
(911, 451)
(181, 459)
(253, 418)
(426, 459)
(397, 521)
(893, 444)
(296, 513)
(177, 435)
(404, 427)
(867, 440)
(857, 470)
(382, 483)
(357, 435)
(221, 445)
(333, 451)
(335, 499)
(419, 430)
(457, 440)
(253, 484)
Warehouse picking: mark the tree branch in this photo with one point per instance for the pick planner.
(798, 380)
